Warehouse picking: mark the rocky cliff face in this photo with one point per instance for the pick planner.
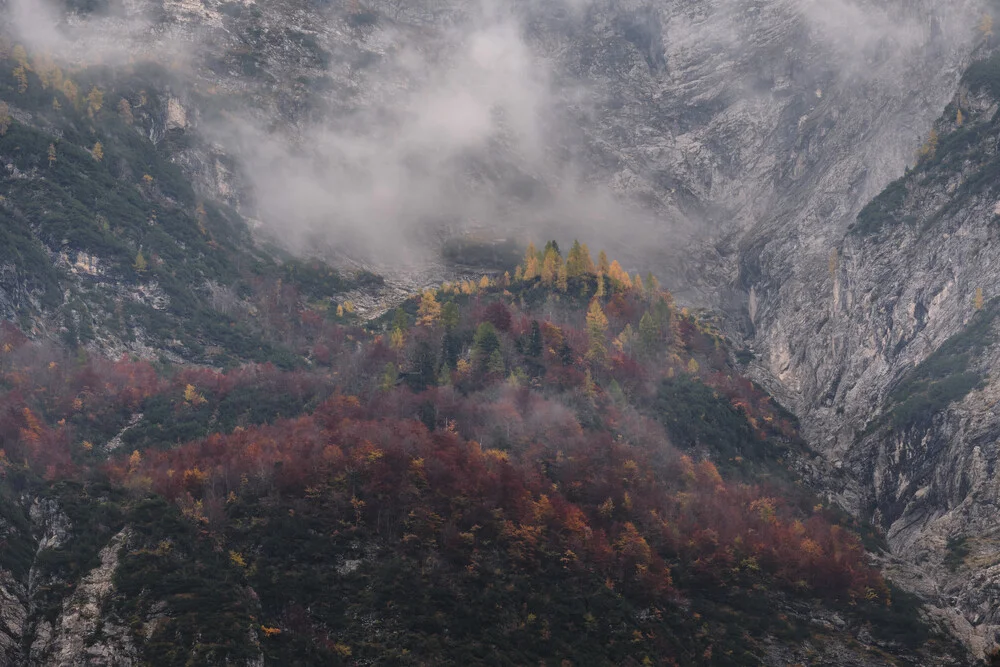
(895, 377)
(77, 590)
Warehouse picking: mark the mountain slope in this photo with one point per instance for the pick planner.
(104, 240)
(912, 330)
(500, 490)
(735, 141)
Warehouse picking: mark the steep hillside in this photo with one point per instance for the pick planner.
(485, 477)
(105, 243)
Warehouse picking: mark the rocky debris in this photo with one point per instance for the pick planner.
(83, 633)
(13, 616)
(116, 442)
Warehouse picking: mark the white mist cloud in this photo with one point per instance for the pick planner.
(442, 139)
(467, 117)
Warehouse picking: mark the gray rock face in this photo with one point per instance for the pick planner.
(83, 634)
(895, 377)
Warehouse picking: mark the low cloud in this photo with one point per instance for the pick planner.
(466, 118)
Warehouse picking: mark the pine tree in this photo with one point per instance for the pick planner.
(140, 264)
(52, 155)
(959, 118)
(389, 377)
(649, 333)
(978, 301)
(616, 393)
(98, 151)
(450, 315)
(535, 344)
(5, 118)
(400, 322)
(444, 375)
(484, 344)
(562, 279)
(652, 285)
(495, 365)
(486, 340)
(424, 373)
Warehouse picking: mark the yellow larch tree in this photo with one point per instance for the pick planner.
(95, 101)
(429, 310)
(986, 25)
(602, 263)
(125, 111)
(597, 333)
(929, 148)
(550, 267)
(619, 277)
(71, 92)
(575, 264)
(531, 263)
(20, 55)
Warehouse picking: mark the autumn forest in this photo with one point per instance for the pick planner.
(553, 465)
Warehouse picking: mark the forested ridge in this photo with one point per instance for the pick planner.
(555, 465)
